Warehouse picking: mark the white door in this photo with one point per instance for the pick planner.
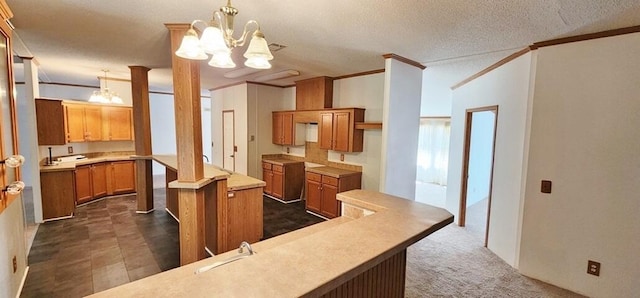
(228, 141)
(207, 150)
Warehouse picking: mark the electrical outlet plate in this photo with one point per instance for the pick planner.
(70, 149)
(593, 268)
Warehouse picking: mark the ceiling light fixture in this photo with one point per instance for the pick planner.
(241, 72)
(217, 40)
(277, 75)
(104, 95)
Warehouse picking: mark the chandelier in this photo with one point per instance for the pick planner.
(217, 40)
(104, 95)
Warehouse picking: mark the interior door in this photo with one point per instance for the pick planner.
(228, 141)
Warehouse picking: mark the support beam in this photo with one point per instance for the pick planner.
(142, 133)
(186, 90)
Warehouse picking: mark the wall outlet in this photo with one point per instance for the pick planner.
(70, 149)
(545, 186)
(593, 268)
(15, 264)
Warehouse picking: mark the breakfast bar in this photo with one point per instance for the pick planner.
(360, 253)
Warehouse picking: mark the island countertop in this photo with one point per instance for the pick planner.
(331, 171)
(307, 262)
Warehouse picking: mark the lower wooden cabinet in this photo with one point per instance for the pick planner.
(284, 178)
(98, 180)
(58, 198)
(322, 189)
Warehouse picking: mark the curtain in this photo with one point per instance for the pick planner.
(433, 150)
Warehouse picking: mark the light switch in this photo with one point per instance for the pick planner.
(545, 186)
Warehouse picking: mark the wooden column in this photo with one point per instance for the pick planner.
(186, 90)
(142, 133)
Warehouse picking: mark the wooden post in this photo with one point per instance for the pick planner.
(186, 90)
(142, 133)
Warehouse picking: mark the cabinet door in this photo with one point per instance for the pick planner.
(287, 129)
(50, 122)
(330, 205)
(277, 137)
(267, 176)
(325, 131)
(99, 180)
(314, 196)
(93, 123)
(277, 189)
(123, 176)
(341, 129)
(83, 184)
(74, 123)
(119, 124)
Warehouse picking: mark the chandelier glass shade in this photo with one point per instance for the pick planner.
(217, 40)
(104, 95)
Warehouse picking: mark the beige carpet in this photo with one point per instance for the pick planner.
(453, 263)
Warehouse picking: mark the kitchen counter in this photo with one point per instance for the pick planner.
(331, 171)
(281, 161)
(71, 165)
(210, 172)
(308, 262)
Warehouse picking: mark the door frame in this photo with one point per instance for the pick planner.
(233, 116)
(465, 166)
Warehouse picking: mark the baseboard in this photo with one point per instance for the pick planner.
(209, 252)
(316, 214)
(58, 218)
(145, 212)
(281, 201)
(22, 282)
(172, 215)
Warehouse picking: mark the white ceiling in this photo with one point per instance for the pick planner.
(74, 39)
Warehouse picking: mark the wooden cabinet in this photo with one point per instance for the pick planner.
(314, 93)
(285, 131)
(322, 189)
(118, 124)
(98, 180)
(58, 196)
(122, 177)
(83, 123)
(60, 122)
(336, 130)
(284, 179)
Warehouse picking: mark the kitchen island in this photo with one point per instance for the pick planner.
(361, 253)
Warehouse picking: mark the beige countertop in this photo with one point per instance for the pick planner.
(71, 165)
(309, 261)
(235, 181)
(281, 161)
(331, 171)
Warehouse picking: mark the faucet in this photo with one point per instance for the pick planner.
(206, 157)
(246, 245)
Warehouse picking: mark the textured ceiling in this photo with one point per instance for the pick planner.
(74, 39)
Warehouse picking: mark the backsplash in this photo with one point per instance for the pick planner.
(314, 154)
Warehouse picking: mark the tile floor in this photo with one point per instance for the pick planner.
(107, 244)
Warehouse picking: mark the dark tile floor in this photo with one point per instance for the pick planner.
(107, 244)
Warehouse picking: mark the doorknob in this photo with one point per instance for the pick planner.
(231, 155)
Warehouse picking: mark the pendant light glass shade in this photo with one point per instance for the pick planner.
(190, 48)
(104, 95)
(222, 60)
(258, 53)
(14, 161)
(212, 41)
(14, 187)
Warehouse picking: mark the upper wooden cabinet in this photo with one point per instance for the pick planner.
(118, 124)
(284, 130)
(337, 130)
(314, 94)
(60, 122)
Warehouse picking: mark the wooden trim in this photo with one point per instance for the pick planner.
(114, 79)
(359, 74)
(227, 86)
(492, 67)
(583, 37)
(265, 84)
(403, 59)
(368, 125)
(5, 11)
(436, 117)
(177, 26)
(98, 87)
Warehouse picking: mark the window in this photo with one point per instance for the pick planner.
(433, 150)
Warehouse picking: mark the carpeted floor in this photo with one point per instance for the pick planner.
(453, 263)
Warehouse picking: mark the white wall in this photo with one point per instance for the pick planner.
(507, 87)
(163, 128)
(400, 128)
(363, 92)
(12, 244)
(585, 137)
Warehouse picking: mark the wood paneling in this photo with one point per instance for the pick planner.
(387, 279)
(192, 228)
(245, 217)
(172, 193)
(314, 93)
(50, 122)
(58, 196)
(142, 132)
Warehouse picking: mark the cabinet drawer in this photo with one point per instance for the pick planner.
(330, 180)
(277, 168)
(266, 165)
(314, 177)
